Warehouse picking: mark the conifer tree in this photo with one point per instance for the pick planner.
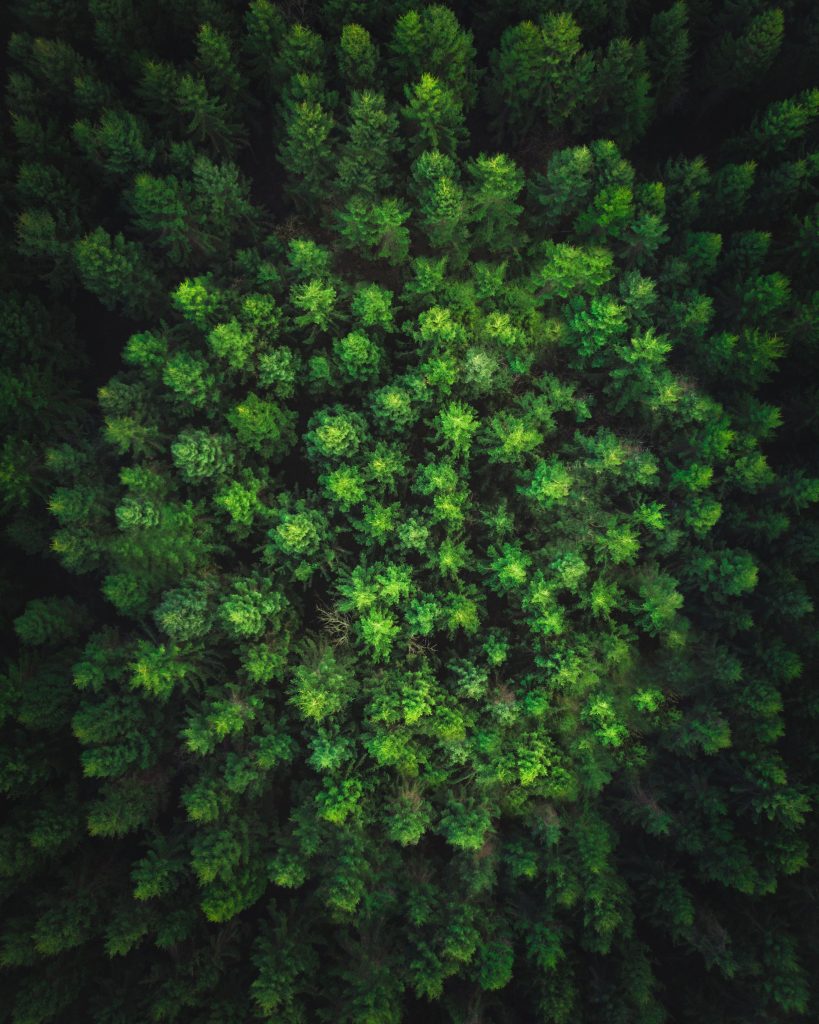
(540, 74)
(434, 116)
(668, 51)
(366, 158)
(307, 151)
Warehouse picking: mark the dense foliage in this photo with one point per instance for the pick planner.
(418, 625)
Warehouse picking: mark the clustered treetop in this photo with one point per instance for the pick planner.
(435, 638)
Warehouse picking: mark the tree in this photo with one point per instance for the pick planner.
(367, 157)
(668, 49)
(496, 184)
(306, 151)
(736, 60)
(622, 87)
(435, 116)
(264, 26)
(160, 207)
(377, 229)
(433, 42)
(116, 271)
(117, 143)
(358, 59)
(540, 72)
(207, 118)
(442, 204)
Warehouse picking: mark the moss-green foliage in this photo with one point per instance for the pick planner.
(436, 641)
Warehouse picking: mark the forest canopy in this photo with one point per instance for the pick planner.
(408, 483)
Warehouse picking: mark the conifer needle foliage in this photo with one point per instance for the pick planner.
(423, 628)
